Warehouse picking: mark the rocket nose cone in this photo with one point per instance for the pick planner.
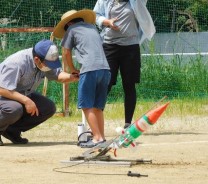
(154, 114)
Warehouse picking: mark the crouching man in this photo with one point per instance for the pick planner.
(21, 108)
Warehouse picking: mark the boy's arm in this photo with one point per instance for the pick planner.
(67, 58)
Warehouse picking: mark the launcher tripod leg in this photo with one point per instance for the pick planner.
(106, 160)
(65, 87)
(45, 84)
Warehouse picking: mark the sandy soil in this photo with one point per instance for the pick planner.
(178, 148)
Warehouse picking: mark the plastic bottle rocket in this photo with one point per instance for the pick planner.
(141, 125)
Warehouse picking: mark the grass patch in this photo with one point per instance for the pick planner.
(177, 108)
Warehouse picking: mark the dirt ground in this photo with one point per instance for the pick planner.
(178, 148)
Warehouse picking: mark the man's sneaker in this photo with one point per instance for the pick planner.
(1, 143)
(15, 139)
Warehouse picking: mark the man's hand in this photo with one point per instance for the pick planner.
(31, 107)
(66, 77)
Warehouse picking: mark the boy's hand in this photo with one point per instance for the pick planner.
(75, 74)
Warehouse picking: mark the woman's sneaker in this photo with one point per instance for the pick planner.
(127, 125)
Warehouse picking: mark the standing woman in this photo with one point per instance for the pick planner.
(125, 24)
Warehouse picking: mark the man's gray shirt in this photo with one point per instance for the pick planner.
(18, 72)
(87, 44)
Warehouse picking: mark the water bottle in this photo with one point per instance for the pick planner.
(82, 136)
(133, 132)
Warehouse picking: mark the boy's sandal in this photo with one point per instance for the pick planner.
(90, 144)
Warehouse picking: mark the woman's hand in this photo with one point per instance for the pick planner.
(111, 23)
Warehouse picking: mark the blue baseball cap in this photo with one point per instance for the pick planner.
(48, 52)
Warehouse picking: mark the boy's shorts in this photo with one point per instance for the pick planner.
(93, 89)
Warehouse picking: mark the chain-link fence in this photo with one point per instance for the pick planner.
(174, 63)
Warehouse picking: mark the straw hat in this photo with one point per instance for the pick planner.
(86, 14)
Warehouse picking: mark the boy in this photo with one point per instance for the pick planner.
(78, 33)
